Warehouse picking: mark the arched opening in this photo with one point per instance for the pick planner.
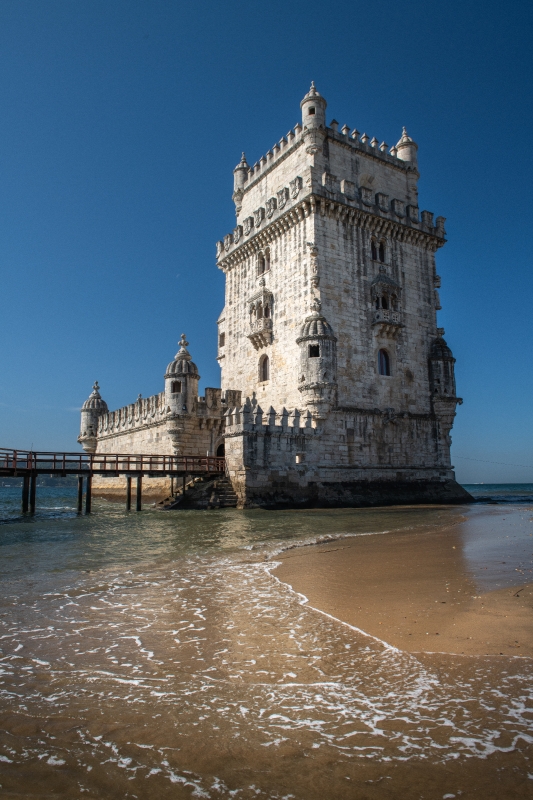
(264, 368)
(260, 264)
(175, 387)
(381, 252)
(267, 310)
(374, 251)
(221, 450)
(259, 311)
(314, 351)
(267, 260)
(384, 302)
(383, 362)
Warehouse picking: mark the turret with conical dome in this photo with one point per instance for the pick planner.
(313, 119)
(181, 381)
(93, 407)
(318, 363)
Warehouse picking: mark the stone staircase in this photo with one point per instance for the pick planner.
(202, 493)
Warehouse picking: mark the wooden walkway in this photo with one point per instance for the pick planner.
(27, 464)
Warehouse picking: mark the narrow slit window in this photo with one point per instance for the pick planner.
(381, 252)
(222, 340)
(260, 264)
(264, 369)
(374, 251)
(383, 362)
(267, 261)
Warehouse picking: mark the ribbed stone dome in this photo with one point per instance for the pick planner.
(182, 364)
(94, 402)
(440, 350)
(316, 326)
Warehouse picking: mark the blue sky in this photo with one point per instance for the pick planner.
(120, 125)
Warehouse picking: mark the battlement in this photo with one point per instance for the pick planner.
(252, 418)
(145, 411)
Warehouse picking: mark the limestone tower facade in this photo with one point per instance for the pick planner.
(329, 327)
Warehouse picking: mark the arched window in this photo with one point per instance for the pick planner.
(374, 251)
(264, 368)
(176, 387)
(267, 310)
(260, 264)
(259, 312)
(384, 302)
(267, 260)
(382, 252)
(383, 362)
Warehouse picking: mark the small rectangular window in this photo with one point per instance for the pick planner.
(314, 351)
(221, 339)
(311, 111)
(176, 387)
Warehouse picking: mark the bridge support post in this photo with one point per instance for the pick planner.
(25, 493)
(80, 494)
(139, 492)
(128, 493)
(88, 497)
(33, 491)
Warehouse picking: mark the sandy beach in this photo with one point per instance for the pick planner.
(416, 591)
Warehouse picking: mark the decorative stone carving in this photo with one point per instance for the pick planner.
(248, 224)
(386, 314)
(283, 196)
(260, 310)
(237, 234)
(440, 226)
(259, 216)
(228, 239)
(412, 213)
(366, 196)
(271, 206)
(329, 182)
(220, 248)
(348, 189)
(315, 280)
(398, 207)
(382, 201)
(295, 187)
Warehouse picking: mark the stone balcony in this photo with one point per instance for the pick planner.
(389, 322)
(261, 332)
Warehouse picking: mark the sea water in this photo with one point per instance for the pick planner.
(155, 654)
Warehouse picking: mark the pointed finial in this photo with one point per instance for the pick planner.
(183, 341)
(96, 387)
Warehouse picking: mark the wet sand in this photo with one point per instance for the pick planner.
(415, 591)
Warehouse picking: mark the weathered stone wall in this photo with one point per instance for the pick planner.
(275, 457)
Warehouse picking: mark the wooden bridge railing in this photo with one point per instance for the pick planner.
(30, 461)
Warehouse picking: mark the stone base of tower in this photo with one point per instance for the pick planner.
(274, 491)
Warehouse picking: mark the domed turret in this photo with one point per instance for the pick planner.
(318, 363)
(181, 381)
(93, 407)
(313, 119)
(441, 369)
(240, 176)
(406, 148)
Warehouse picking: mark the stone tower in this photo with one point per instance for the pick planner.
(329, 326)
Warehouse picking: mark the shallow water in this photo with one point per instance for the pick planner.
(155, 655)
